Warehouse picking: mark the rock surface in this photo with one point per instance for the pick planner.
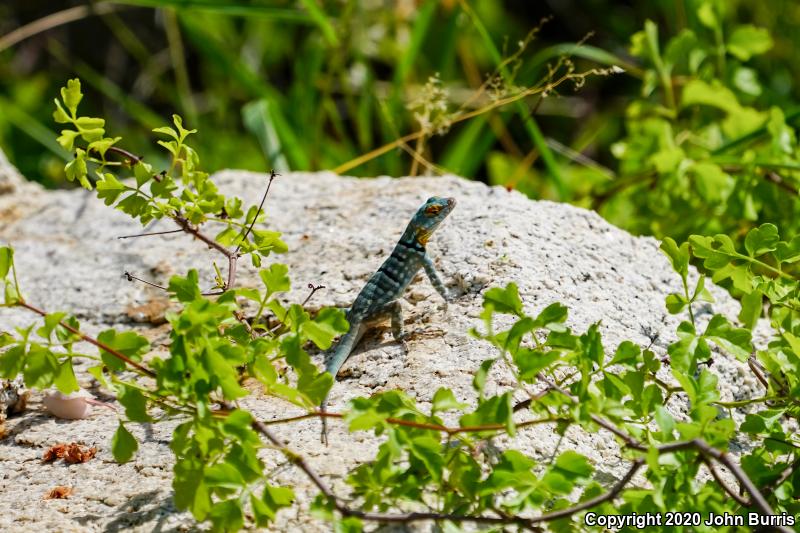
(339, 230)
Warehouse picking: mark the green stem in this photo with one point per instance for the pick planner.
(741, 403)
(765, 266)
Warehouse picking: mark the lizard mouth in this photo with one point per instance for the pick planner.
(451, 203)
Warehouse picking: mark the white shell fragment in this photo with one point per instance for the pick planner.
(72, 406)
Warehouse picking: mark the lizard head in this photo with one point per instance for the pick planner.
(430, 215)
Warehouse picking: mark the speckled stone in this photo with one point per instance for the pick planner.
(339, 230)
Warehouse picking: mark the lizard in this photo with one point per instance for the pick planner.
(383, 289)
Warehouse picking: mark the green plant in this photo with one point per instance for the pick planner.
(424, 469)
(704, 151)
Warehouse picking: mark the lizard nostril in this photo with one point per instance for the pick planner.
(451, 202)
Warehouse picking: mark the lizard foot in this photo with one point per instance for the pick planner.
(425, 333)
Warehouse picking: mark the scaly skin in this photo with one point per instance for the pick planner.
(381, 293)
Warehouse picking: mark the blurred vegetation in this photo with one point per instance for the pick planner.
(690, 127)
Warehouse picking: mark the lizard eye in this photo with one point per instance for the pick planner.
(432, 210)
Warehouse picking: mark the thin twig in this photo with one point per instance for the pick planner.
(779, 180)
(232, 256)
(752, 362)
(150, 234)
(272, 176)
(732, 493)
(422, 425)
(238, 315)
(133, 158)
(758, 499)
(597, 500)
(786, 474)
(106, 348)
(54, 20)
(459, 117)
(314, 288)
(527, 523)
(131, 277)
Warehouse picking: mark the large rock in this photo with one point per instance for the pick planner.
(339, 231)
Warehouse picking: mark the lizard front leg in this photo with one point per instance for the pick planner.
(395, 311)
(436, 281)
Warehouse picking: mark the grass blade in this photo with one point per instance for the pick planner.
(257, 120)
(422, 23)
(322, 22)
(241, 9)
(530, 123)
(32, 127)
(585, 51)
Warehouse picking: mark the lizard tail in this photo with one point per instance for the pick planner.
(344, 349)
(340, 355)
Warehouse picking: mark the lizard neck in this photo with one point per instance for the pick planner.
(415, 237)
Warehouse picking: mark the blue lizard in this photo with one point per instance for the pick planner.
(381, 293)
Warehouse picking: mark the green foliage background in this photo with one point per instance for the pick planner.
(696, 136)
(676, 119)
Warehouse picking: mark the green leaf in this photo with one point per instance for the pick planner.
(573, 465)
(752, 307)
(322, 22)
(665, 421)
(275, 278)
(135, 404)
(445, 400)
(59, 115)
(123, 444)
(227, 515)
(716, 251)
(76, 170)
(10, 294)
(551, 316)
(627, 353)
(328, 323)
(761, 240)
(676, 303)
(65, 381)
(698, 92)
(531, 362)
(134, 204)
(350, 525)
(494, 410)
(267, 241)
(479, 381)
(6, 260)
(227, 236)
(223, 475)
(72, 95)
(514, 469)
(128, 343)
(185, 289)
(12, 361)
(788, 252)
(277, 497)
(707, 16)
(679, 257)
(182, 132)
(503, 300)
(166, 130)
(735, 341)
(51, 321)
(109, 188)
(142, 172)
(748, 40)
(428, 451)
(712, 183)
(67, 139)
(41, 367)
